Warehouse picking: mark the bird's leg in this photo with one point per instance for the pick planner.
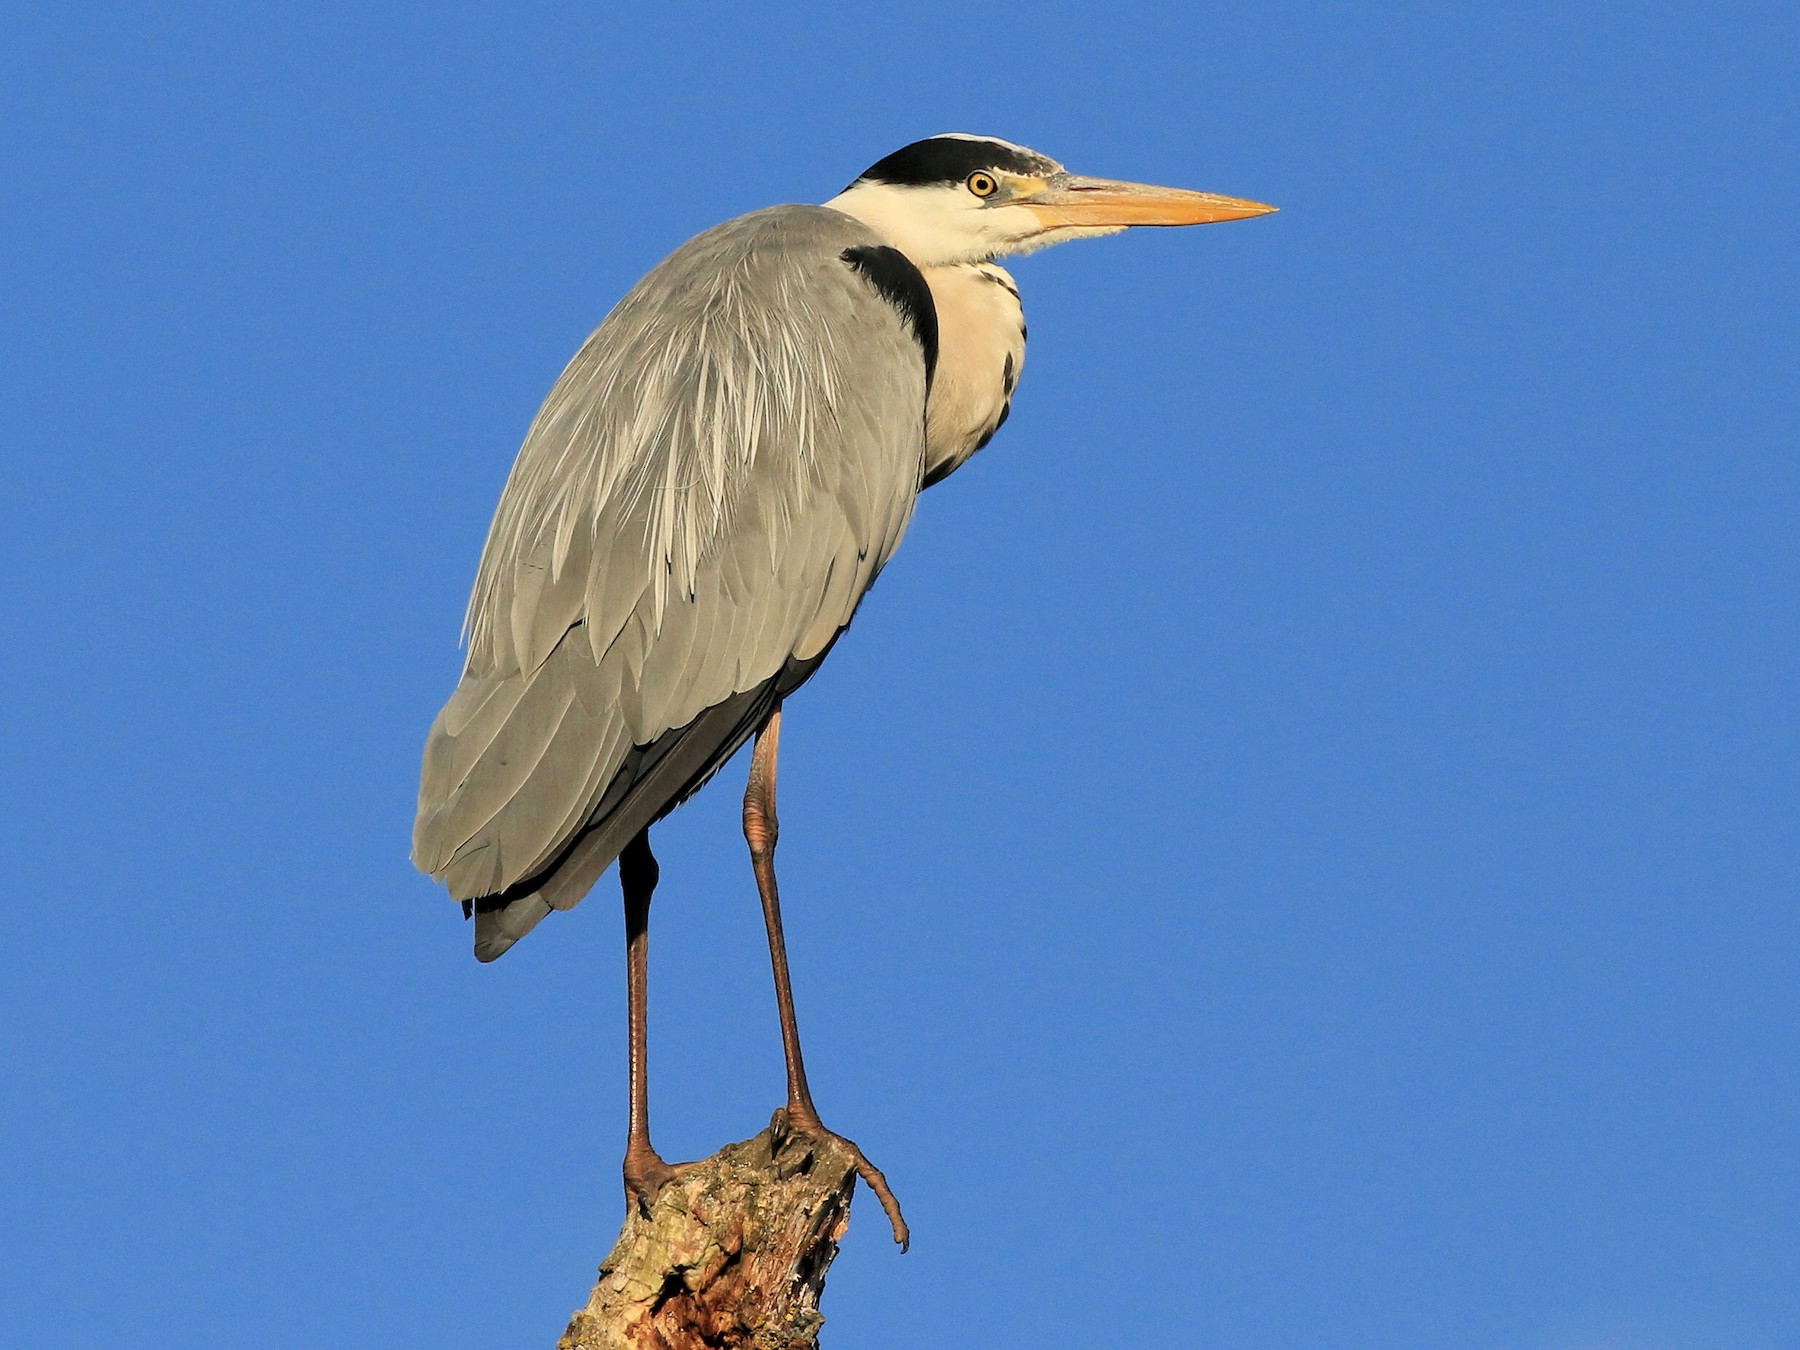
(760, 831)
(645, 1171)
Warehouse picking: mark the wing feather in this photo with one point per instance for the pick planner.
(697, 510)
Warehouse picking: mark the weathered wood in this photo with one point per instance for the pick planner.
(732, 1256)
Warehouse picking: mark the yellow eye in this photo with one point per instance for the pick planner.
(983, 184)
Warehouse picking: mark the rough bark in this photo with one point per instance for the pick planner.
(732, 1256)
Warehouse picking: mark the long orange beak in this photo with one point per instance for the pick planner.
(1102, 201)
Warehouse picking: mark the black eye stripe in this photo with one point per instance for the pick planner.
(945, 159)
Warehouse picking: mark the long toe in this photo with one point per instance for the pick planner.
(808, 1126)
(645, 1176)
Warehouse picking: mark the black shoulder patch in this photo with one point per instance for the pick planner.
(950, 159)
(891, 272)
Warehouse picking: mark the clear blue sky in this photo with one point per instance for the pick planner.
(1298, 853)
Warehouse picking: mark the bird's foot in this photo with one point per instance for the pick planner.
(805, 1123)
(645, 1176)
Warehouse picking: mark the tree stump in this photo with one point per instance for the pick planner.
(732, 1256)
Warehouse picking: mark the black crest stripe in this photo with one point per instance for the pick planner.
(950, 159)
(891, 272)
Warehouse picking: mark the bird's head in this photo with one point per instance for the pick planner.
(959, 199)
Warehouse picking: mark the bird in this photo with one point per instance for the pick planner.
(707, 493)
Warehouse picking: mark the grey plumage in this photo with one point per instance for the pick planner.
(710, 488)
(708, 491)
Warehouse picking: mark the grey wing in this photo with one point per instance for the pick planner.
(706, 494)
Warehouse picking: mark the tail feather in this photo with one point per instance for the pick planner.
(497, 929)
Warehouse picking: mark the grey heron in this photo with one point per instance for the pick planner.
(706, 495)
